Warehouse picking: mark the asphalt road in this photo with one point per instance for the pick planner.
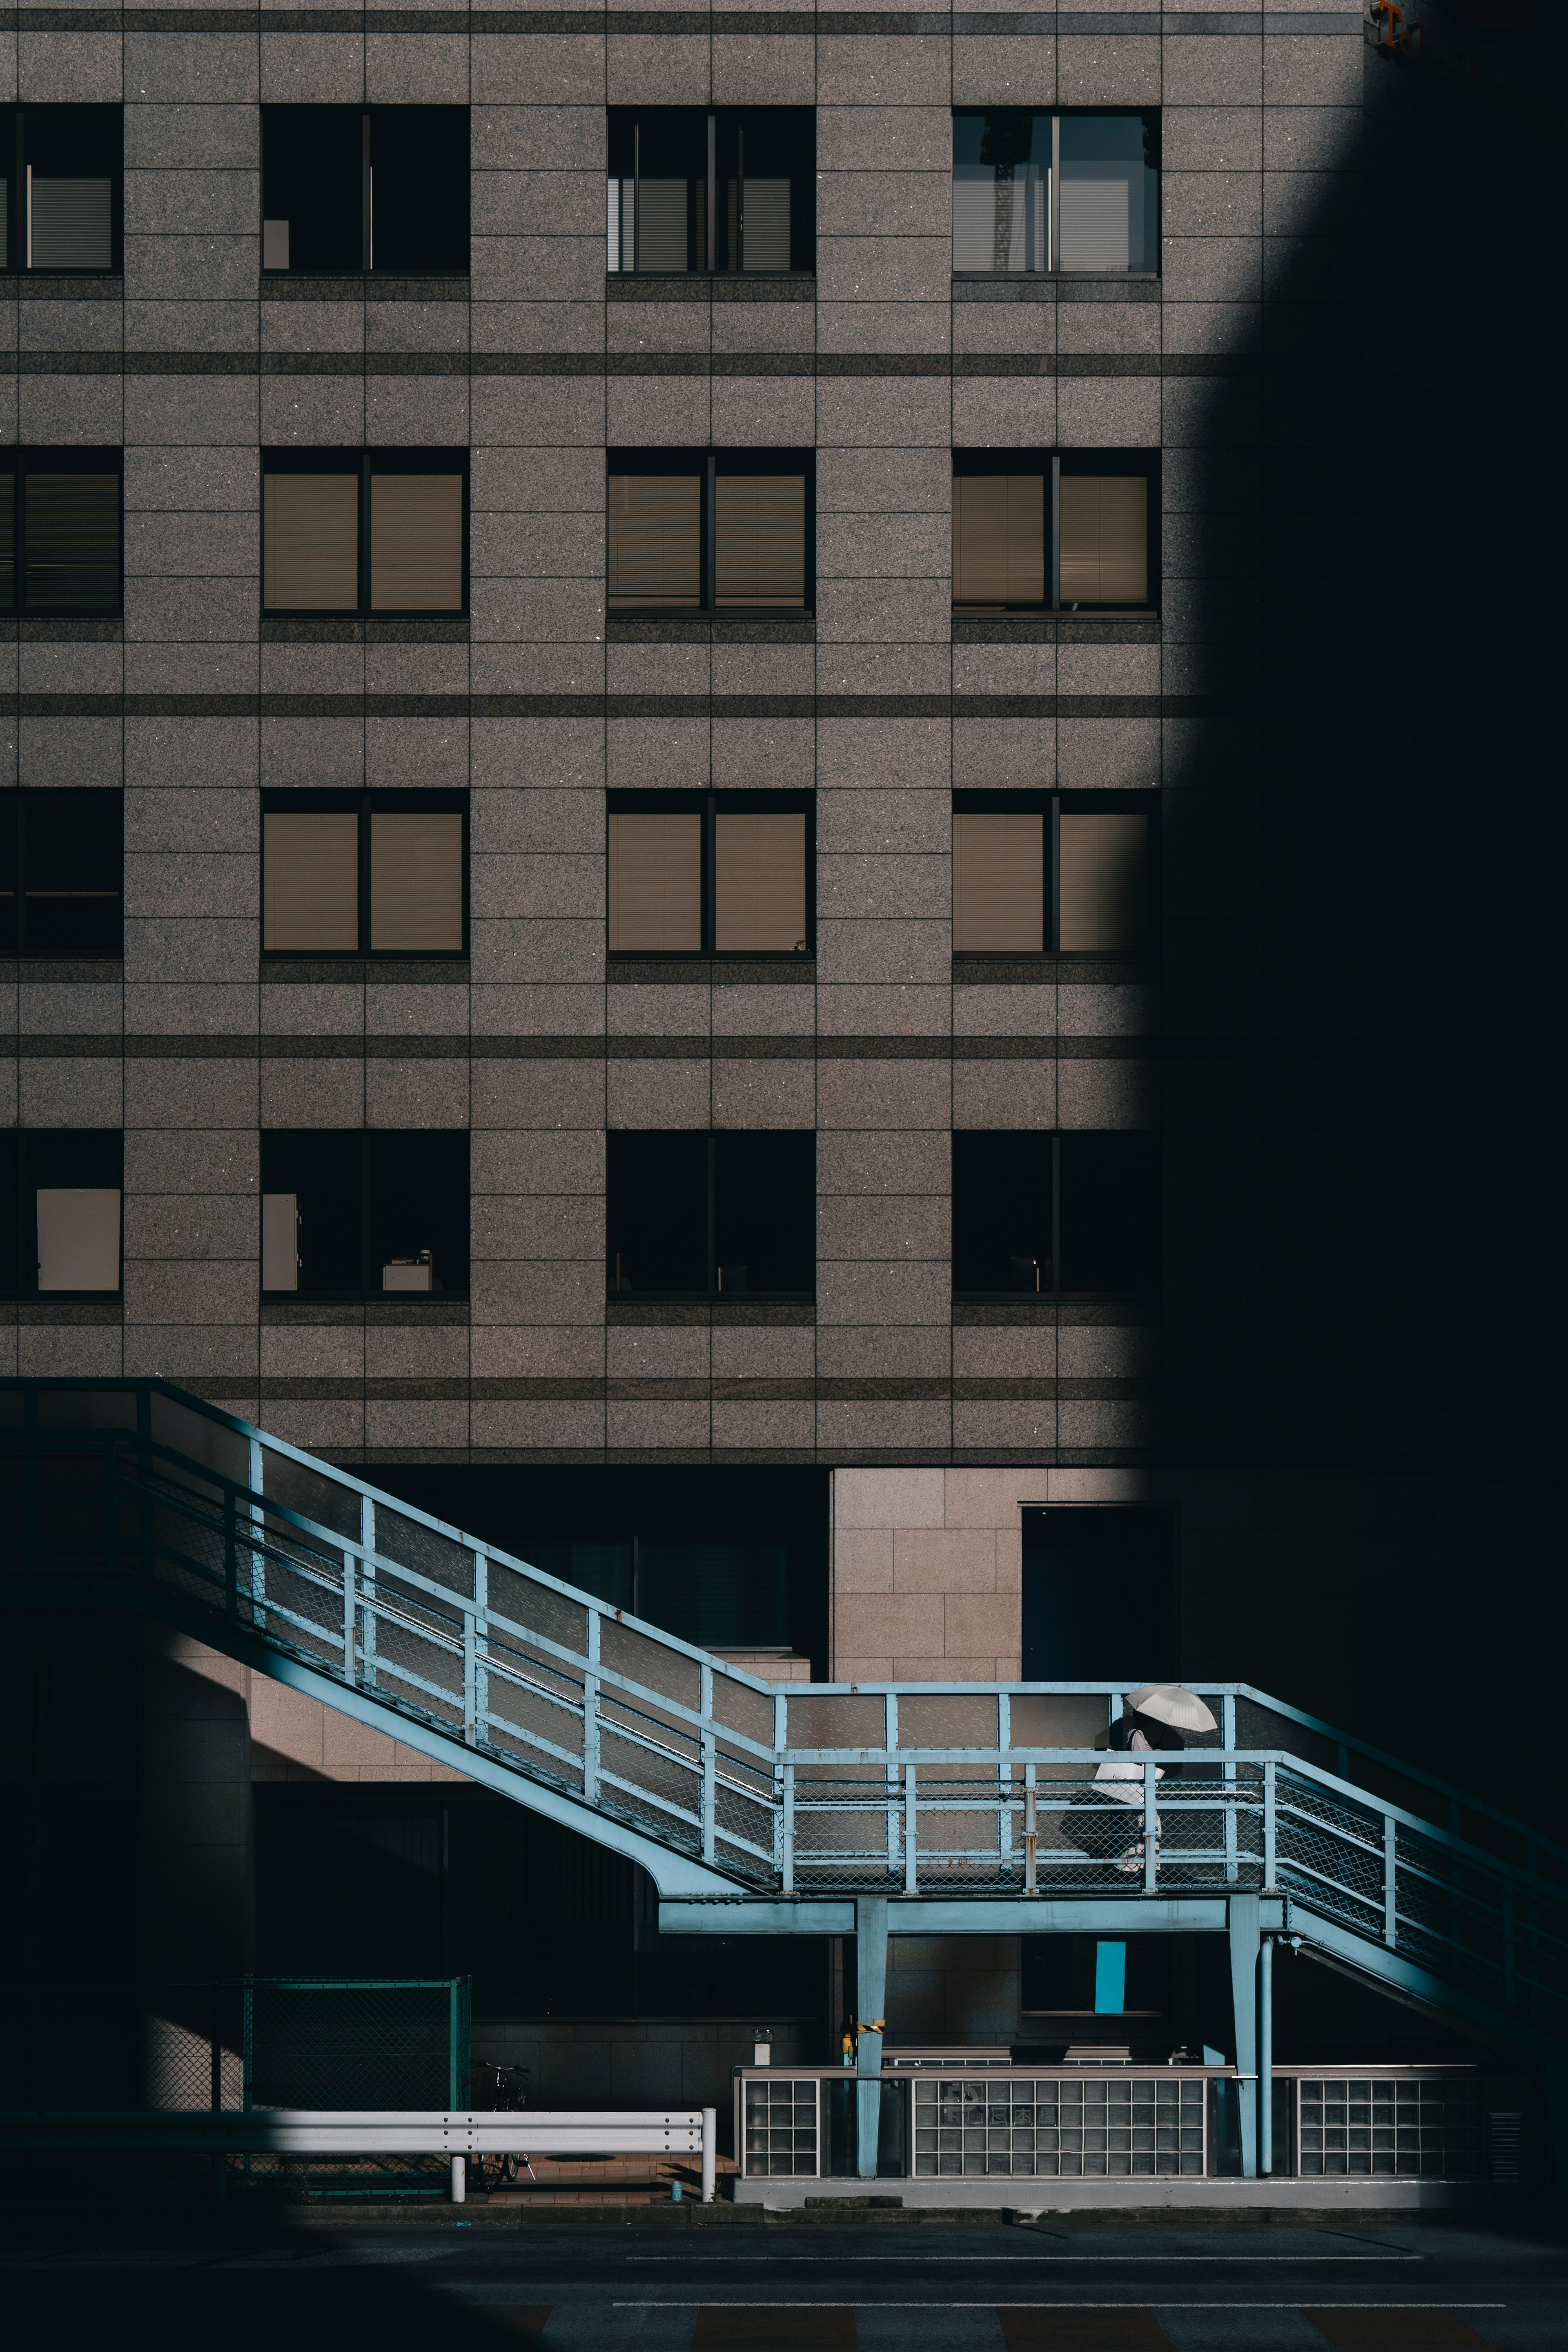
(791, 2286)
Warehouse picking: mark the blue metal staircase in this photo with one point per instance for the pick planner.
(815, 1809)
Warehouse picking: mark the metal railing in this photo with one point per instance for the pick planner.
(967, 1791)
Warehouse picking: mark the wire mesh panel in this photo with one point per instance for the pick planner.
(781, 2127)
(1123, 2127)
(356, 2043)
(1358, 2126)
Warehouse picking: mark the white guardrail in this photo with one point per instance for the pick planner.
(300, 2131)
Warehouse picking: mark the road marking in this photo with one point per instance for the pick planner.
(969, 2259)
(625, 2303)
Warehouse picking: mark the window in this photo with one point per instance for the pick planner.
(1091, 1573)
(1067, 533)
(1026, 1204)
(60, 199)
(1055, 192)
(59, 1212)
(709, 874)
(365, 532)
(699, 1215)
(356, 1214)
(364, 874)
(709, 531)
(1052, 872)
(59, 531)
(695, 191)
(63, 865)
(350, 188)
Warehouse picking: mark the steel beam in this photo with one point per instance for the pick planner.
(1244, 1947)
(1120, 1915)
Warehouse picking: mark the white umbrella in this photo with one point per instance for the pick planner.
(1169, 1703)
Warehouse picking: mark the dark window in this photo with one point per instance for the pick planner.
(691, 190)
(59, 531)
(1064, 1213)
(348, 188)
(1068, 532)
(61, 196)
(59, 1212)
(1099, 1595)
(1052, 872)
(706, 874)
(62, 867)
(1071, 192)
(710, 530)
(364, 874)
(351, 1214)
(348, 532)
(701, 1214)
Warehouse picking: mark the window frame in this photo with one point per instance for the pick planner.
(14, 261)
(366, 802)
(14, 1145)
(19, 461)
(1053, 806)
(21, 795)
(721, 121)
(709, 806)
(367, 265)
(708, 465)
(369, 462)
(713, 1295)
(1056, 1290)
(367, 1294)
(1152, 118)
(1050, 464)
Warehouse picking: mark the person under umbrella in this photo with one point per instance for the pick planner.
(1153, 1720)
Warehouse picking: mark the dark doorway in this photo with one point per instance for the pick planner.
(1099, 1595)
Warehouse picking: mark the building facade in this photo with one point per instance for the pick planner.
(1125, 965)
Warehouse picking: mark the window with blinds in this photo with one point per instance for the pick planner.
(999, 539)
(1038, 873)
(60, 1192)
(710, 873)
(364, 533)
(1052, 532)
(60, 531)
(1040, 191)
(692, 190)
(61, 188)
(350, 873)
(1104, 538)
(709, 531)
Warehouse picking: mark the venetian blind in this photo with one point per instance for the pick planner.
(1105, 538)
(416, 880)
(416, 543)
(1097, 216)
(998, 539)
(310, 880)
(655, 551)
(70, 223)
(311, 527)
(765, 227)
(655, 880)
(998, 882)
(760, 539)
(73, 542)
(1104, 879)
(759, 879)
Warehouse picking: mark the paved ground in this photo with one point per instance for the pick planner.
(743, 2285)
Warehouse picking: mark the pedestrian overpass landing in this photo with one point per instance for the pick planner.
(813, 1808)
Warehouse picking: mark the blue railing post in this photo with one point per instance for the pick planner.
(781, 1742)
(1003, 1786)
(591, 1714)
(710, 1759)
(909, 1829)
(258, 1557)
(786, 1833)
(351, 1674)
(481, 1647)
(1390, 1893)
(1227, 1733)
(890, 1742)
(1151, 1834)
(1031, 1865)
(1270, 1825)
(367, 1592)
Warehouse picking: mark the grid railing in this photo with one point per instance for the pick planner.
(965, 1791)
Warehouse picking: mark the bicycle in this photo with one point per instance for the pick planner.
(510, 2087)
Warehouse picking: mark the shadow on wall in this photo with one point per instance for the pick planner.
(1363, 862)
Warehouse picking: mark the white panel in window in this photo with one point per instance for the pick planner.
(620, 224)
(1096, 202)
(1105, 538)
(275, 245)
(765, 227)
(1104, 880)
(760, 540)
(79, 1240)
(655, 880)
(655, 551)
(998, 882)
(416, 543)
(310, 880)
(416, 880)
(310, 538)
(280, 1241)
(70, 223)
(998, 539)
(760, 880)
